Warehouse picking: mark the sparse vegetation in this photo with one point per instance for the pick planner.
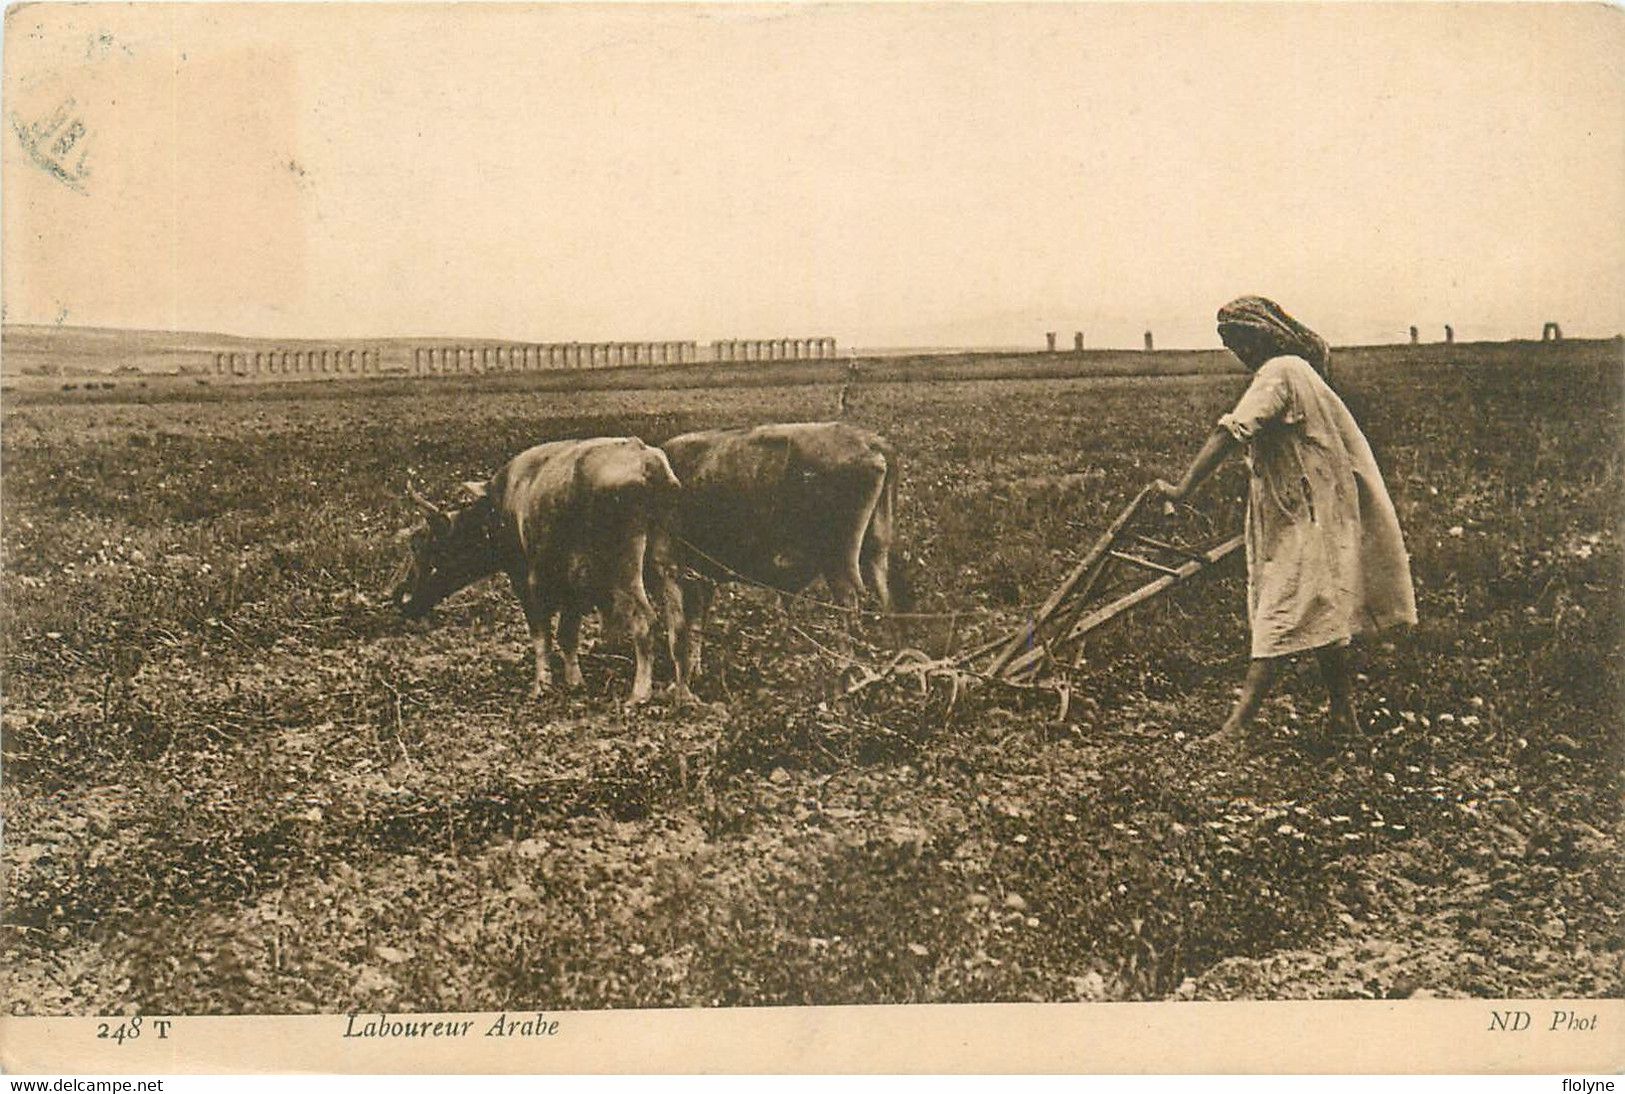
(236, 781)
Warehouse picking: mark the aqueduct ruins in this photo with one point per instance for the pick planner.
(297, 362)
(773, 349)
(532, 357)
(452, 358)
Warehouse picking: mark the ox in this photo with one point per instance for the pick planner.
(573, 524)
(782, 505)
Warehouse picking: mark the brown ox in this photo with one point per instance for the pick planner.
(783, 505)
(572, 524)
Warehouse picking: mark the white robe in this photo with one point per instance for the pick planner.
(1325, 558)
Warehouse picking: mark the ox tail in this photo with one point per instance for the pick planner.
(881, 540)
(658, 472)
(661, 486)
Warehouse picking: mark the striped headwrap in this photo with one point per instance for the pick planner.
(1285, 334)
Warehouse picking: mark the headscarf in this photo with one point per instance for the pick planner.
(1286, 335)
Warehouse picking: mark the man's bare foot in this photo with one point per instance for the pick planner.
(1229, 739)
(1343, 722)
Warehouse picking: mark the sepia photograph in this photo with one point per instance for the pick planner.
(519, 516)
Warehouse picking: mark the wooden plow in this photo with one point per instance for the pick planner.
(1125, 568)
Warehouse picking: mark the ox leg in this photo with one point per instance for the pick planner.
(877, 573)
(570, 646)
(669, 591)
(697, 598)
(632, 611)
(635, 614)
(539, 618)
(845, 590)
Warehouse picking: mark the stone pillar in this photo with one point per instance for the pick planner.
(1551, 332)
(1049, 337)
(1416, 336)
(1149, 344)
(1077, 341)
(1449, 334)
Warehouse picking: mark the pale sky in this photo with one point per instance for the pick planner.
(889, 175)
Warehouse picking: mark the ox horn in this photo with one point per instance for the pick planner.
(422, 502)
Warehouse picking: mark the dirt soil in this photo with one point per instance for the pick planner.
(236, 781)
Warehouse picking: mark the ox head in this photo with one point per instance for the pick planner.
(450, 549)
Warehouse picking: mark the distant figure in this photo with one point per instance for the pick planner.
(1416, 336)
(1325, 557)
(1049, 336)
(1449, 334)
(1077, 342)
(1148, 343)
(846, 387)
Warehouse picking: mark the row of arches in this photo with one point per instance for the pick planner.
(453, 359)
(772, 349)
(290, 362)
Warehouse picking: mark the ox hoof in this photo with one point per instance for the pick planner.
(684, 699)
